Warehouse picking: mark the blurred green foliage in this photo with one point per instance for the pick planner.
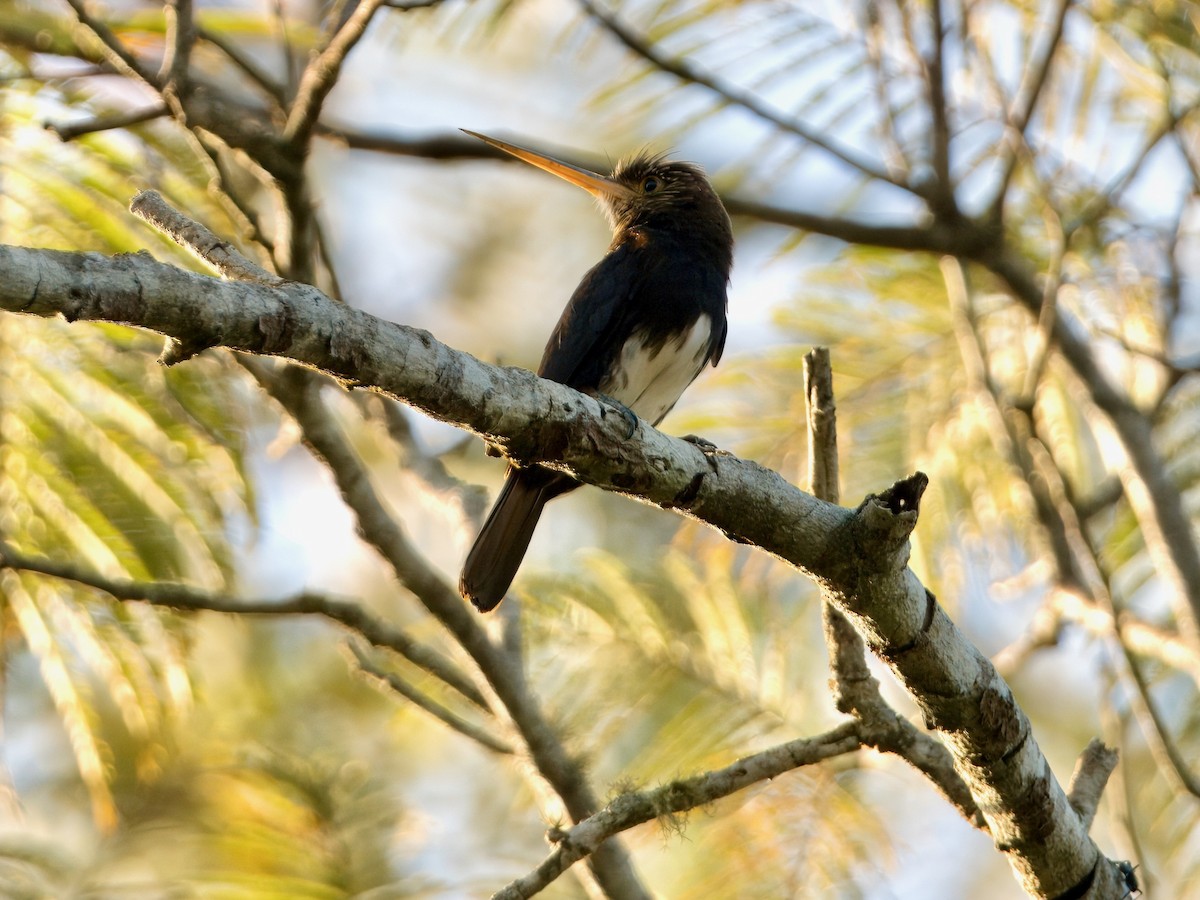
(224, 757)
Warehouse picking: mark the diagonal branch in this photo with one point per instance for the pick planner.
(115, 53)
(860, 556)
(419, 699)
(70, 131)
(170, 595)
(1023, 106)
(636, 808)
(942, 194)
(181, 37)
(322, 73)
(245, 63)
(1156, 501)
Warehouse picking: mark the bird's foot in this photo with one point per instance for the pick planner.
(631, 418)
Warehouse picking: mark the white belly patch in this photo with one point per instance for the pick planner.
(650, 381)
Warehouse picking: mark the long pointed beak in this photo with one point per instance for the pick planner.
(595, 184)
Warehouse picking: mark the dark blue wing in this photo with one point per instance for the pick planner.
(587, 336)
(648, 282)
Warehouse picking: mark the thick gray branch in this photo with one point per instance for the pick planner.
(859, 556)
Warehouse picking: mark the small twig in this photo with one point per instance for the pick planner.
(285, 45)
(1092, 771)
(1048, 313)
(471, 499)
(431, 706)
(822, 425)
(874, 40)
(70, 131)
(150, 207)
(246, 64)
(438, 146)
(1023, 106)
(173, 595)
(321, 74)
(180, 37)
(942, 193)
(115, 53)
(855, 689)
(1161, 745)
(629, 810)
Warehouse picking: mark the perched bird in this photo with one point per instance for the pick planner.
(640, 327)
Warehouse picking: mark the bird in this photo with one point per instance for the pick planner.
(640, 327)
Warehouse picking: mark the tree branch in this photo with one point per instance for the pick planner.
(859, 555)
(1091, 774)
(181, 36)
(1023, 106)
(322, 72)
(419, 699)
(72, 130)
(172, 595)
(942, 193)
(1156, 502)
(298, 392)
(635, 808)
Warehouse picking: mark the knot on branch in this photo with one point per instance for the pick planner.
(905, 495)
(892, 515)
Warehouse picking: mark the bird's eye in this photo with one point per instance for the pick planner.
(650, 185)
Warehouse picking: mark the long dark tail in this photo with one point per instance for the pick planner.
(498, 550)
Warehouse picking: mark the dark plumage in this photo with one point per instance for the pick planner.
(640, 327)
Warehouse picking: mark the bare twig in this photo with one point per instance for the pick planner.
(1039, 354)
(181, 36)
(1158, 735)
(70, 130)
(150, 207)
(822, 425)
(437, 146)
(942, 194)
(875, 38)
(115, 53)
(297, 391)
(631, 809)
(245, 63)
(171, 595)
(1021, 111)
(1091, 774)
(427, 703)
(855, 689)
(322, 71)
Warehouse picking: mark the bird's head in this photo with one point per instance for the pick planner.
(643, 190)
